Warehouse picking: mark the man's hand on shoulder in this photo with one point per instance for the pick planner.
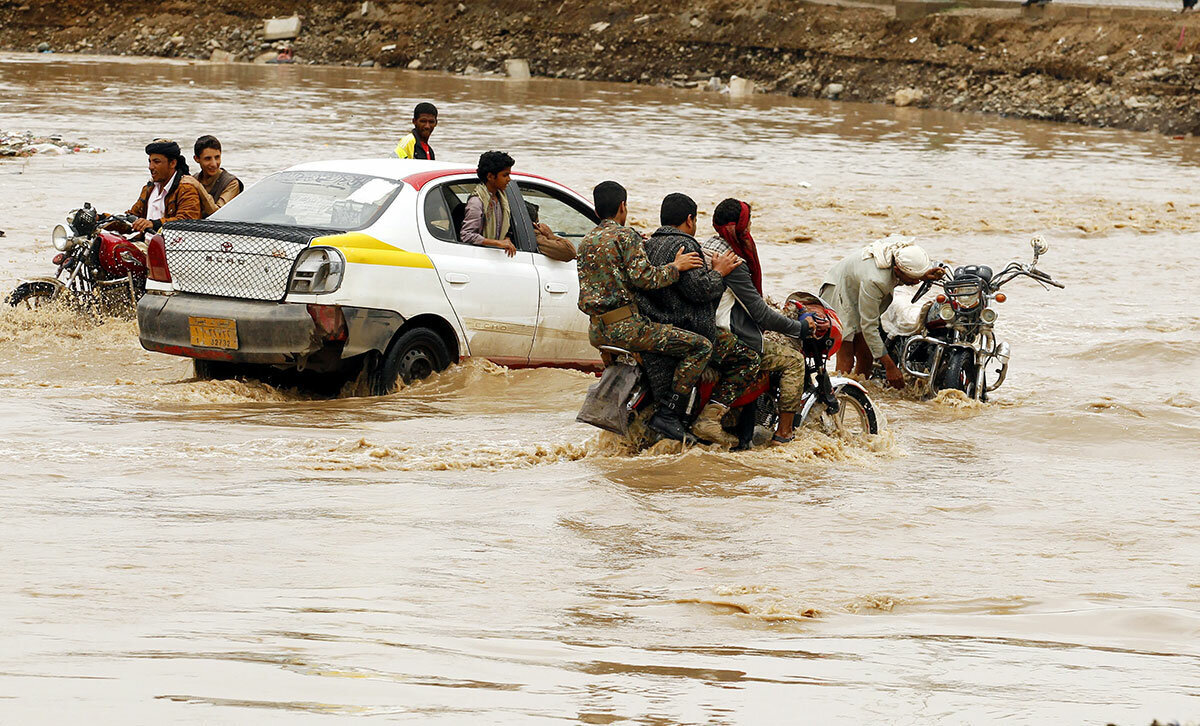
(726, 262)
(685, 260)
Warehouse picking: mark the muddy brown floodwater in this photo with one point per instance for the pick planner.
(190, 552)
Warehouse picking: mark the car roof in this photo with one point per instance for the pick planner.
(415, 172)
(386, 168)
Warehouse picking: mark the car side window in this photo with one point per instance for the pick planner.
(564, 216)
(445, 207)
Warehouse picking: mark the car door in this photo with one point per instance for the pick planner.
(561, 337)
(494, 296)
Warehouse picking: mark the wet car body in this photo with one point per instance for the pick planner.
(328, 266)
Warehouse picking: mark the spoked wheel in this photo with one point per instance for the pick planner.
(855, 415)
(32, 295)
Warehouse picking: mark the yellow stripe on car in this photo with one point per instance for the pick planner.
(365, 249)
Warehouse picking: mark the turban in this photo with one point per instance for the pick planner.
(901, 252)
(169, 149)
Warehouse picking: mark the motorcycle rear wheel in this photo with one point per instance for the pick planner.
(856, 414)
(32, 295)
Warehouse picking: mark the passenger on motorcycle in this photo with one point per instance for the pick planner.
(860, 289)
(220, 187)
(612, 265)
(691, 304)
(171, 194)
(743, 311)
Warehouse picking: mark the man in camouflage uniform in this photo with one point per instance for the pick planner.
(612, 263)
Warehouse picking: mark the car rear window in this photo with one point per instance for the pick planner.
(321, 199)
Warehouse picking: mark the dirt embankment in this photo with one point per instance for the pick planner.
(1138, 73)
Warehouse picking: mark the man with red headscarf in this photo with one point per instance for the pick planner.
(743, 311)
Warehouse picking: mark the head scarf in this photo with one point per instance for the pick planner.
(171, 150)
(901, 252)
(737, 236)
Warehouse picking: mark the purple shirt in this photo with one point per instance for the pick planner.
(472, 225)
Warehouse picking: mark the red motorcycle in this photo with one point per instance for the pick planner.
(99, 268)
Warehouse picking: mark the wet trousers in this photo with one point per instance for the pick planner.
(687, 352)
(789, 363)
(736, 364)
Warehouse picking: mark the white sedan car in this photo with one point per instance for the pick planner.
(333, 266)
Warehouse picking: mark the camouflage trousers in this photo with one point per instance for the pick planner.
(690, 350)
(786, 360)
(736, 364)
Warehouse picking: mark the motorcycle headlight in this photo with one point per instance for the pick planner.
(946, 312)
(969, 300)
(988, 315)
(60, 238)
(319, 270)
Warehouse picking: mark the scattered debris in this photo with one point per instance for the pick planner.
(14, 143)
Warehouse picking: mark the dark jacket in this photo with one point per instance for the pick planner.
(691, 303)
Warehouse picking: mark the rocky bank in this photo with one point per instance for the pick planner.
(1115, 69)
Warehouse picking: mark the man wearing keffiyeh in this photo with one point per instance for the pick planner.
(743, 311)
(860, 290)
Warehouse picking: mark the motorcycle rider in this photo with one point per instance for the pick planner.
(743, 311)
(612, 264)
(691, 304)
(171, 194)
(860, 289)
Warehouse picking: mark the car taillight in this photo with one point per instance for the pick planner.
(330, 321)
(156, 260)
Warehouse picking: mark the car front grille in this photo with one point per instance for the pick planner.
(234, 259)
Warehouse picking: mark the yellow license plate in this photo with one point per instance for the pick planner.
(214, 333)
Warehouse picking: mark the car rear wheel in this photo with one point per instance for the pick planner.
(416, 354)
(216, 370)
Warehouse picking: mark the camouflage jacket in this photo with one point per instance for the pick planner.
(611, 263)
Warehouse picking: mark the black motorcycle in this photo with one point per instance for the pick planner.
(955, 346)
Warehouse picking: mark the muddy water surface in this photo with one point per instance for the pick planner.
(178, 551)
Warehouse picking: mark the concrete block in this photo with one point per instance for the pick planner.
(740, 86)
(281, 28)
(517, 69)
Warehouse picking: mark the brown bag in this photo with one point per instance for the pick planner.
(608, 401)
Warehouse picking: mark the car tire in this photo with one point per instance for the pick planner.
(416, 354)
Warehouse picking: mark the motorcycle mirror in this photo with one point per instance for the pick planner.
(924, 288)
(1040, 246)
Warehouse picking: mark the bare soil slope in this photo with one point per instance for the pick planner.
(1136, 72)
